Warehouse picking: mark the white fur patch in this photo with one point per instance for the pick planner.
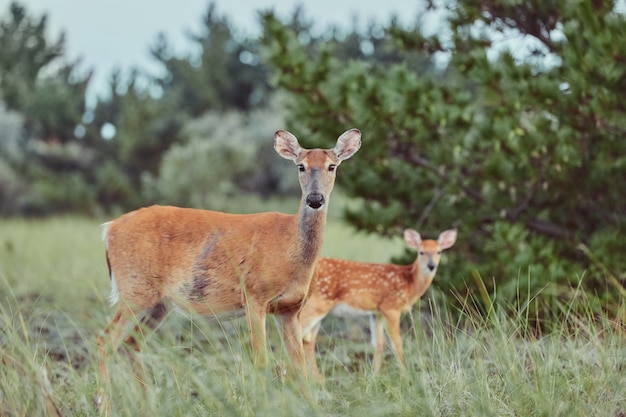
(345, 310)
(181, 311)
(105, 233)
(115, 295)
(216, 317)
(373, 335)
(306, 333)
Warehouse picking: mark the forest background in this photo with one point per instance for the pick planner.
(522, 150)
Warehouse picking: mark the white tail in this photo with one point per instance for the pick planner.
(383, 289)
(210, 262)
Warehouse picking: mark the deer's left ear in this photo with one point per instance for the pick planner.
(347, 144)
(412, 238)
(447, 239)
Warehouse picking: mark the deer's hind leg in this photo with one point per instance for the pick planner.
(150, 320)
(109, 341)
(112, 339)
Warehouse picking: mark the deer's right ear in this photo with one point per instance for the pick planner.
(286, 145)
(412, 238)
(347, 144)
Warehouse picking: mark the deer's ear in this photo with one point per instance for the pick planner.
(286, 145)
(347, 144)
(447, 239)
(412, 238)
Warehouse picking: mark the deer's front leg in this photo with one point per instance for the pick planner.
(292, 337)
(255, 315)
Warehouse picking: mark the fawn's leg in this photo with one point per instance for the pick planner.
(378, 339)
(308, 341)
(393, 328)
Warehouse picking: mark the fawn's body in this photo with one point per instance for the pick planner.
(386, 290)
(211, 262)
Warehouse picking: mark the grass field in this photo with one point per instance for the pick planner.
(53, 304)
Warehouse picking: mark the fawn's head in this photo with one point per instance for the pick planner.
(317, 167)
(429, 251)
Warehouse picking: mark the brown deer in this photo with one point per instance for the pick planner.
(212, 263)
(386, 290)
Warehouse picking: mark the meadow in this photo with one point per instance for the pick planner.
(53, 304)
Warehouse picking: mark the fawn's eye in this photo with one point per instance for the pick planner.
(332, 167)
(421, 253)
(301, 168)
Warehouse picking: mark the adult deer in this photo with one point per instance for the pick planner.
(210, 263)
(386, 290)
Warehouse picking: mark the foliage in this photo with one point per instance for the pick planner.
(11, 187)
(155, 147)
(78, 159)
(523, 152)
(224, 74)
(54, 102)
(48, 94)
(227, 154)
(206, 168)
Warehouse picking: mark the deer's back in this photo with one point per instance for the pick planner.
(200, 256)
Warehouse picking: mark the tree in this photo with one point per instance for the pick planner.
(53, 104)
(523, 152)
(225, 73)
(48, 94)
(142, 130)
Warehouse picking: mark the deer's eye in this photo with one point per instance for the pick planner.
(301, 168)
(332, 167)
(421, 253)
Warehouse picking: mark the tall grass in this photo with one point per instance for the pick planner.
(53, 289)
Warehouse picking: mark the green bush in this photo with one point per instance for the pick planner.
(228, 158)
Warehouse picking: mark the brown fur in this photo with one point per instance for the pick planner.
(386, 290)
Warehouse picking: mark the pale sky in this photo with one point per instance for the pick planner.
(119, 33)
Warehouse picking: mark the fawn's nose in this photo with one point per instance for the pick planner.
(315, 201)
(431, 266)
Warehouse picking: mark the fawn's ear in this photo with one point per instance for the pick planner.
(347, 144)
(413, 239)
(286, 145)
(447, 239)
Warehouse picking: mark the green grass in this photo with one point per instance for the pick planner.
(53, 290)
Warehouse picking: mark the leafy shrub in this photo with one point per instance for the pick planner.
(227, 155)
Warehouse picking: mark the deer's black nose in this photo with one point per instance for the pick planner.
(432, 266)
(315, 201)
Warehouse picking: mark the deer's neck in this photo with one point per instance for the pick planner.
(311, 226)
(420, 282)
